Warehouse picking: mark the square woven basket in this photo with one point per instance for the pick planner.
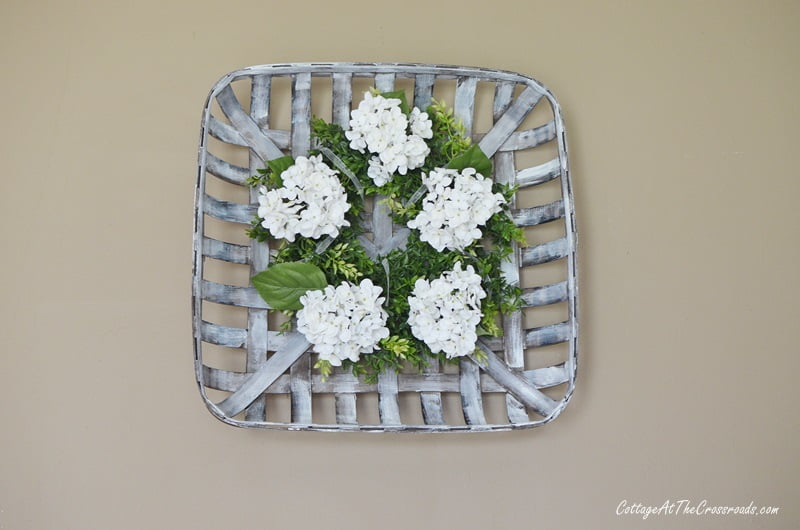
(250, 375)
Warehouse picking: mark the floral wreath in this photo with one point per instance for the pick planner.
(434, 287)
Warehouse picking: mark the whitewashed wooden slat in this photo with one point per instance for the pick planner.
(547, 335)
(432, 413)
(384, 82)
(221, 293)
(431, 401)
(539, 214)
(545, 253)
(507, 124)
(257, 322)
(423, 383)
(470, 388)
(539, 174)
(226, 171)
(531, 138)
(259, 381)
(221, 250)
(226, 133)
(237, 337)
(300, 389)
(345, 402)
(464, 102)
(300, 372)
(342, 99)
(229, 211)
(346, 411)
(504, 173)
(515, 384)
(545, 295)
(423, 90)
(301, 114)
(223, 335)
(247, 128)
(388, 405)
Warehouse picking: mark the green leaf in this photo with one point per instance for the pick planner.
(279, 165)
(472, 157)
(401, 95)
(282, 284)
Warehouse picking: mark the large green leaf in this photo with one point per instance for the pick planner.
(282, 284)
(473, 157)
(401, 95)
(279, 165)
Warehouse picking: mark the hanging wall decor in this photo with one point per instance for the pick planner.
(382, 248)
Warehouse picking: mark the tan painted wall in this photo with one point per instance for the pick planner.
(684, 127)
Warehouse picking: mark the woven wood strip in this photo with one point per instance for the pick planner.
(301, 141)
(540, 378)
(257, 322)
(513, 347)
(288, 370)
(431, 402)
(346, 411)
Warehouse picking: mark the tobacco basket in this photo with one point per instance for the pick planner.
(250, 375)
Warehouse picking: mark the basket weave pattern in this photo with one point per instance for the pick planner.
(262, 371)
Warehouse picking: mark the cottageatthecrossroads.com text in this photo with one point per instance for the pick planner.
(686, 507)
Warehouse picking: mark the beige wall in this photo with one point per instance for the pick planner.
(684, 126)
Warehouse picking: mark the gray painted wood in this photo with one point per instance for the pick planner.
(545, 253)
(258, 142)
(226, 171)
(464, 104)
(232, 295)
(423, 90)
(388, 405)
(213, 248)
(515, 384)
(540, 378)
(346, 410)
(539, 214)
(513, 348)
(257, 323)
(260, 380)
(510, 120)
(539, 174)
(547, 335)
(545, 295)
(431, 402)
(301, 141)
(229, 211)
(470, 388)
(289, 372)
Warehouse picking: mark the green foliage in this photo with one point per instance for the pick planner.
(449, 135)
(475, 158)
(282, 285)
(346, 260)
(325, 368)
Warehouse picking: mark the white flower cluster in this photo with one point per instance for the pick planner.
(343, 322)
(380, 127)
(456, 204)
(312, 202)
(445, 312)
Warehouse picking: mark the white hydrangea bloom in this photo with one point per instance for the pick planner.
(457, 203)
(343, 322)
(378, 126)
(445, 313)
(421, 125)
(312, 202)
